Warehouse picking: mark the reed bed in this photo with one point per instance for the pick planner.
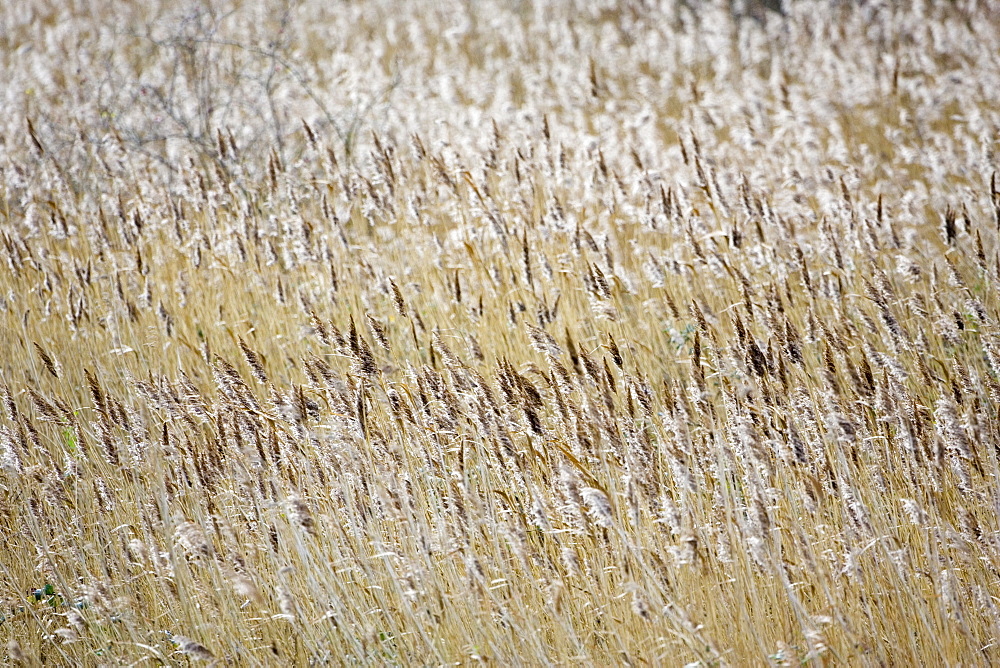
(511, 334)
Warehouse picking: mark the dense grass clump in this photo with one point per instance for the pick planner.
(433, 333)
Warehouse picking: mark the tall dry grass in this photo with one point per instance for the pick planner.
(563, 333)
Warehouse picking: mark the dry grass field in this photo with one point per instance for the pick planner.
(501, 333)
